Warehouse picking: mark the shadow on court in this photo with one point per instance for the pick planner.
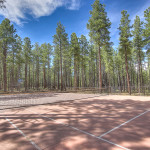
(54, 128)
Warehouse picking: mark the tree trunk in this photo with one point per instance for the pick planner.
(78, 78)
(139, 74)
(58, 77)
(49, 73)
(61, 74)
(97, 72)
(26, 73)
(83, 84)
(54, 84)
(119, 82)
(149, 68)
(142, 79)
(1, 74)
(65, 77)
(33, 76)
(37, 75)
(100, 72)
(127, 73)
(75, 72)
(5, 69)
(44, 77)
(83, 81)
(29, 83)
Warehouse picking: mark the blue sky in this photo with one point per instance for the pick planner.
(38, 19)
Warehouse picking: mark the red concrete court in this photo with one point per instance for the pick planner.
(98, 123)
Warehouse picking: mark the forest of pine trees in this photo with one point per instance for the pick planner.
(77, 62)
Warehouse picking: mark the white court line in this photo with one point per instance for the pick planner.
(87, 133)
(124, 123)
(38, 148)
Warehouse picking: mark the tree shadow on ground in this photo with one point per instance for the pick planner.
(54, 128)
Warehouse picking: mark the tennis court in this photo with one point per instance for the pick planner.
(73, 121)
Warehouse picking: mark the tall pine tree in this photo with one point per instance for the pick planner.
(125, 42)
(7, 36)
(75, 49)
(147, 36)
(27, 57)
(99, 25)
(138, 45)
(60, 41)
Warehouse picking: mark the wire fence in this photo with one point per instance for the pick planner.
(143, 90)
(32, 99)
(77, 93)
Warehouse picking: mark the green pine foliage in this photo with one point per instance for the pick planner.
(146, 31)
(146, 34)
(99, 24)
(74, 62)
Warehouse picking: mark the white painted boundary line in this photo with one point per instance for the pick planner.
(87, 133)
(35, 145)
(124, 123)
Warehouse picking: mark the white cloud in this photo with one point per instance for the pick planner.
(16, 10)
(74, 4)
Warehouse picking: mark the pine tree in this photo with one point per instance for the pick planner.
(60, 41)
(27, 56)
(92, 65)
(44, 54)
(36, 57)
(138, 45)
(125, 43)
(99, 25)
(147, 28)
(146, 34)
(7, 36)
(12, 65)
(118, 69)
(84, 51)
(19, 57)
(75, 49)
(1, 68)
(56, 64)
(66, 64)
(49, 55)
(45, 60)
(108, 61)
